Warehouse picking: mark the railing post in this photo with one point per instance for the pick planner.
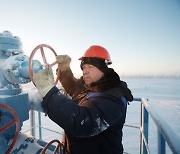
(144, 127)
(141, 136)
(161, 144)
(32, 120)
(40, 130)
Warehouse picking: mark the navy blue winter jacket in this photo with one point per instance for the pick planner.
(93, 119)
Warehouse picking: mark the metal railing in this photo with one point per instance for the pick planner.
(165, 133)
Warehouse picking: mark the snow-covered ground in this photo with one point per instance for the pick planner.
(164, 96)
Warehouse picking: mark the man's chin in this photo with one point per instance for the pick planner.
(87, 82)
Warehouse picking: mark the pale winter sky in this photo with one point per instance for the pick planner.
(143, 37)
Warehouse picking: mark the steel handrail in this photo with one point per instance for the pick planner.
(164, 129)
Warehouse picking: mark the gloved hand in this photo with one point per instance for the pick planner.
(64, 61)
(44, 81)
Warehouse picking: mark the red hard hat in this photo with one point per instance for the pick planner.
(97, 51)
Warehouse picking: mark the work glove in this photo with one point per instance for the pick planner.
(64, 61)
(44, 81)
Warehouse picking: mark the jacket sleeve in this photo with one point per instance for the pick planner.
(81, 121)
(71, 85)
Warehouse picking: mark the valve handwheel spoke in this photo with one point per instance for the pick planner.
(45, 64)
(59, 146)
(8, 125)
(43, 56)
(14, 121)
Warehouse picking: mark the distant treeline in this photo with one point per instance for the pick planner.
(152, 76)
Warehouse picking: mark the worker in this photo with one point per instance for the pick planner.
(94, 113)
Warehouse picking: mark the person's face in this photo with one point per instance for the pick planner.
(91, 74)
